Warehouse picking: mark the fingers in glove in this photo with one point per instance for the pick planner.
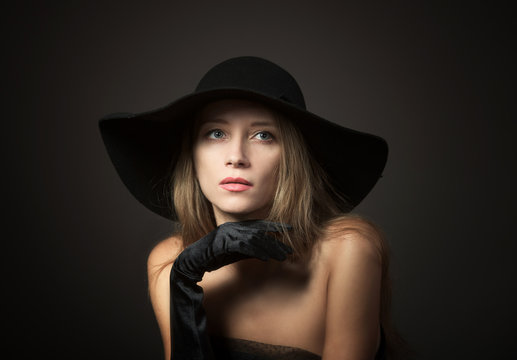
(271, 246)
(252, 250)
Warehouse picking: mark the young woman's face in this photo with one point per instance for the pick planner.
(236, 154)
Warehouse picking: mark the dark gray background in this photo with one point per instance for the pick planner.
(435, 81)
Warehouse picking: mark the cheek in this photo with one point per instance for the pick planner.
(203, 165)
(270, 163)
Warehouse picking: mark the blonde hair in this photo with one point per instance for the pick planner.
(304, 197)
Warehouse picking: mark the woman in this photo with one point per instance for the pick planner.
(267, 263)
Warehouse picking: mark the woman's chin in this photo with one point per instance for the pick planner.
(238, 214)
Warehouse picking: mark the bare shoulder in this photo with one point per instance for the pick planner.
(159, 265)
(163, 255)
(165, 251)
(352, 236)
(352, 256)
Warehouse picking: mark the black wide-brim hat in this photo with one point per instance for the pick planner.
(145, 147)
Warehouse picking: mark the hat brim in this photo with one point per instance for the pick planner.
(143, 146)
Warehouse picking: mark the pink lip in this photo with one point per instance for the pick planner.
(235, 184)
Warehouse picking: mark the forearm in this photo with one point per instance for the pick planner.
(189, 338)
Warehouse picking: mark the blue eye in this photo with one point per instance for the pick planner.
(264, 136)
(215, 134)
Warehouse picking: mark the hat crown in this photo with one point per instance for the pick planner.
(256, 75)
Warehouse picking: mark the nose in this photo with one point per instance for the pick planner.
(236, 156)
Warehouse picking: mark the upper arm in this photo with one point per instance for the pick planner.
(159, 264)
(353, 296)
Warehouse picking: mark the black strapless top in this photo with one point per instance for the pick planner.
(239, 349)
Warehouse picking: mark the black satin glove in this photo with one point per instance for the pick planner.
(228, 243)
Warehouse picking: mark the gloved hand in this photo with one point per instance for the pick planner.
(228, 243)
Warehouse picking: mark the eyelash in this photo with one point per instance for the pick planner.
(211, 132)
